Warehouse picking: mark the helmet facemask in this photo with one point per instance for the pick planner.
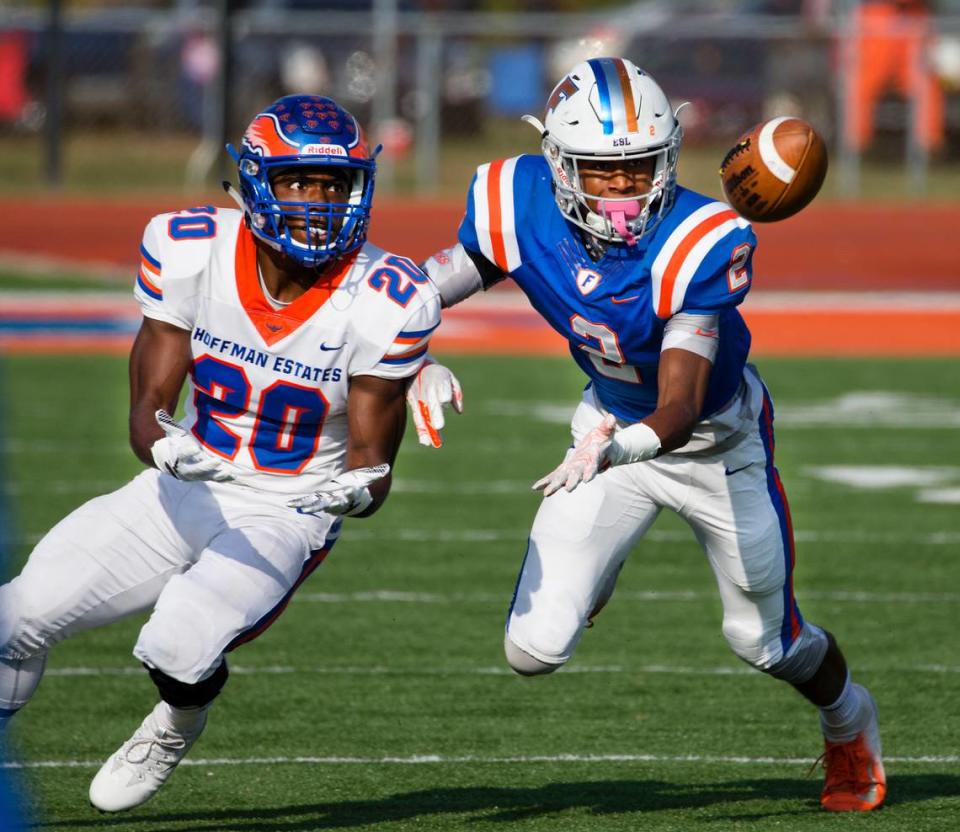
(333, 229)
(619, 219)
(312, 132)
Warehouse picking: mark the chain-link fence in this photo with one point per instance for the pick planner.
(876, 78)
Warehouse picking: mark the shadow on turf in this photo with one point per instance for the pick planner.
(795, 796)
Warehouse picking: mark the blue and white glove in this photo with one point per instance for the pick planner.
(347, 494)
(182, 456)
(432, 388)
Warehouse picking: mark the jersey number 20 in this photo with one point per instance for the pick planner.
(289, 419)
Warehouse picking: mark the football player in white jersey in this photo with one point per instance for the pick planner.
(296, 340)
(643, 278)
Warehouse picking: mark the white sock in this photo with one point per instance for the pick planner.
(180, 720)
(843, 720)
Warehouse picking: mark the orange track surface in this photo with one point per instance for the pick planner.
(859, 247)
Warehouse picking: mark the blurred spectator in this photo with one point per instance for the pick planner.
(891, 41)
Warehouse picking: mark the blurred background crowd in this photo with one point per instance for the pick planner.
(440, 84)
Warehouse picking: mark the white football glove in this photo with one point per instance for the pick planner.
(432, 388)
(598, 450)
(182, 456)
(347, 494)
(582, 461)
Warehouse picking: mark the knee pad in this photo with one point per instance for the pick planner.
(181, 695)
(755, 644)
(18, 681)
(804, 657)
(523, 663)
(23, 632)
(180, 638)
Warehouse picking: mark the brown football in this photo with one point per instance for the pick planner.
(774, 169)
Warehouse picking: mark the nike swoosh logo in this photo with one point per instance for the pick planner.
(624, 300)
(274, 327)
(706, 333)
(325, 348)
(730, 473)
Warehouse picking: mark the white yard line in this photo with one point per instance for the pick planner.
(397, 596)
(440, 759)
(942, 537)
(375, 670)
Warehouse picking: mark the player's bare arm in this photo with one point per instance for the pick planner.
(376, 411)
(682, 380)
(159, 361)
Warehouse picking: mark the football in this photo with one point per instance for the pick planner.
(774, 169)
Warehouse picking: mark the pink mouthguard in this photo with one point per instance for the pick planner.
(619, 212)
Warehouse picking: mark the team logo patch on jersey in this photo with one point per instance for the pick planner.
(588, 280)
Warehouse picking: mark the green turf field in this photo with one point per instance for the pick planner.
(385, 676)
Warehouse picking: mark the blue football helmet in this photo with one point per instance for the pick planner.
(311, 131)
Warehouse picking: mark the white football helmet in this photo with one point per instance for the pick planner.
(605, 109)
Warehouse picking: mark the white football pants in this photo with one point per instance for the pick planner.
(217, 562)
(731, 496)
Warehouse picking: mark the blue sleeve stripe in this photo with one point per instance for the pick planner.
(420, 333)
(149, 257)
(406, 359)
(148, 290)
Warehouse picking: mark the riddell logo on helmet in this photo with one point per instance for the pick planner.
(322, 150)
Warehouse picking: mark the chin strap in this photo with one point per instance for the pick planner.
(234, 195)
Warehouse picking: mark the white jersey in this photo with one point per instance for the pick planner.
(268, 387)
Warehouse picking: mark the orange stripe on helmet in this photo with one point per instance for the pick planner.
(493, 206)
(672, 271)
(627, 90)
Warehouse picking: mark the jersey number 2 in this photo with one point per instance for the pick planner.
(609, 359)
(289, 420)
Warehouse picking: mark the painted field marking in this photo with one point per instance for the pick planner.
(495, 670)
(868, 409)
(395, 596)
(932, 483)
(942, 537)
(526, 759)
(518, 536)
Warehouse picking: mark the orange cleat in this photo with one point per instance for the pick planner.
(855, 780)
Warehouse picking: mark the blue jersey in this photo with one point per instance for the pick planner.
(613, 312)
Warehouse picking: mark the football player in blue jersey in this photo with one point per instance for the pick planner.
(643, 278)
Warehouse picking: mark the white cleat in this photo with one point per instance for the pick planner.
(137, 770)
